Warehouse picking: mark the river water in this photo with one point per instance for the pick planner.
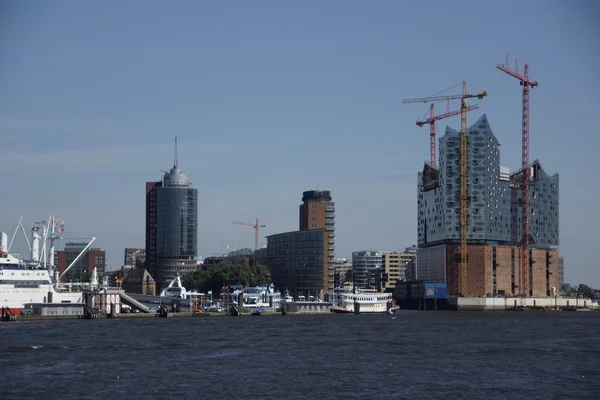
(411, 355)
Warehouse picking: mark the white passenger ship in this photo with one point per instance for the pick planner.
(368, 300)
(34, 280)
(20, 285)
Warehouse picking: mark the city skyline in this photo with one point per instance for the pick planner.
(262, 96)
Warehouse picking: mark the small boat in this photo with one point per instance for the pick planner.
(393, 309)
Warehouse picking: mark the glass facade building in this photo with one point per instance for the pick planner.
(175, 213)
(365, 264)
(493, 208)
(297, 261)
(176, 223)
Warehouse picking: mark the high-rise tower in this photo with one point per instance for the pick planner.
(317, 211)
(171, 225)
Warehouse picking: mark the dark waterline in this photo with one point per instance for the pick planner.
(416, 355)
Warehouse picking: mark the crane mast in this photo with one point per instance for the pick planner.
(432, 152)
(527, 84)
(463, 192)
(256, 227)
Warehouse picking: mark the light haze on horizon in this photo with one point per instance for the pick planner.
(269, 99)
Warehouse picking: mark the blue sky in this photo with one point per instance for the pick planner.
(271, 98)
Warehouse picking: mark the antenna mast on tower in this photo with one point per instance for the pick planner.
(175, 158)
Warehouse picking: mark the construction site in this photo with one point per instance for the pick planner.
(483, 230)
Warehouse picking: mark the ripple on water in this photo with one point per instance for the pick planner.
(417, 355)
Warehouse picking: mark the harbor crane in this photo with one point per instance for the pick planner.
(463, 175)
(525, 170)
(256, 227)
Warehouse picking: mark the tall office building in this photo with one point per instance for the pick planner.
(493, 219)
(317, 211)
(151, 190)
(171, 226)
(302, 262)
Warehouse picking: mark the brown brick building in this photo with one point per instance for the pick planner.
(317, 211)
(302, 262)
(135, 257)
(139, 281)
(495, 269)
(93, 257)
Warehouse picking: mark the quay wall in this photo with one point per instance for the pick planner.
(506, 303)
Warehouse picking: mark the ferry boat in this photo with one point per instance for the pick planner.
(368, 300)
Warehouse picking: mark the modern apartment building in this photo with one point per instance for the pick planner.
(365, 264)
(394, 268)
(296, 261)
(493, 216)
(171, 226)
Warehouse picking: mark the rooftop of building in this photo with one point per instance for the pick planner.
(304, 232)
(317, 195)
(431, 174)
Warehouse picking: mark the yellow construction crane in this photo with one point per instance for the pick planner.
(463, 174)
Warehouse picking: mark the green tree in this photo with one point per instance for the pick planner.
(567, 290)
(585, 291)
(224, 274)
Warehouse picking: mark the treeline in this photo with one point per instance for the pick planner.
(576, 291)
(224, 274)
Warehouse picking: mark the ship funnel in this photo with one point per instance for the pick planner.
(3, 243)
(94, 281)
(35, 246)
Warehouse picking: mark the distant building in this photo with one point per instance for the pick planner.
(365, 265)
(262, 255)
(342, 271)
(411, 270)
(317, 211)
(93, 257)
(241, 256)
(297, 262)
(394, 268)
(171, 226)
(134, 257)
(302, 262)
(210, 262)
(139, 281)
(561, 272)
(151, 209)
(493, 216)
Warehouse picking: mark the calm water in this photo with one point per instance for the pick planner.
(416, 355)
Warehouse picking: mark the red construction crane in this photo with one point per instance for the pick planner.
(526, 83)
(256, 227)
(432, 122)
